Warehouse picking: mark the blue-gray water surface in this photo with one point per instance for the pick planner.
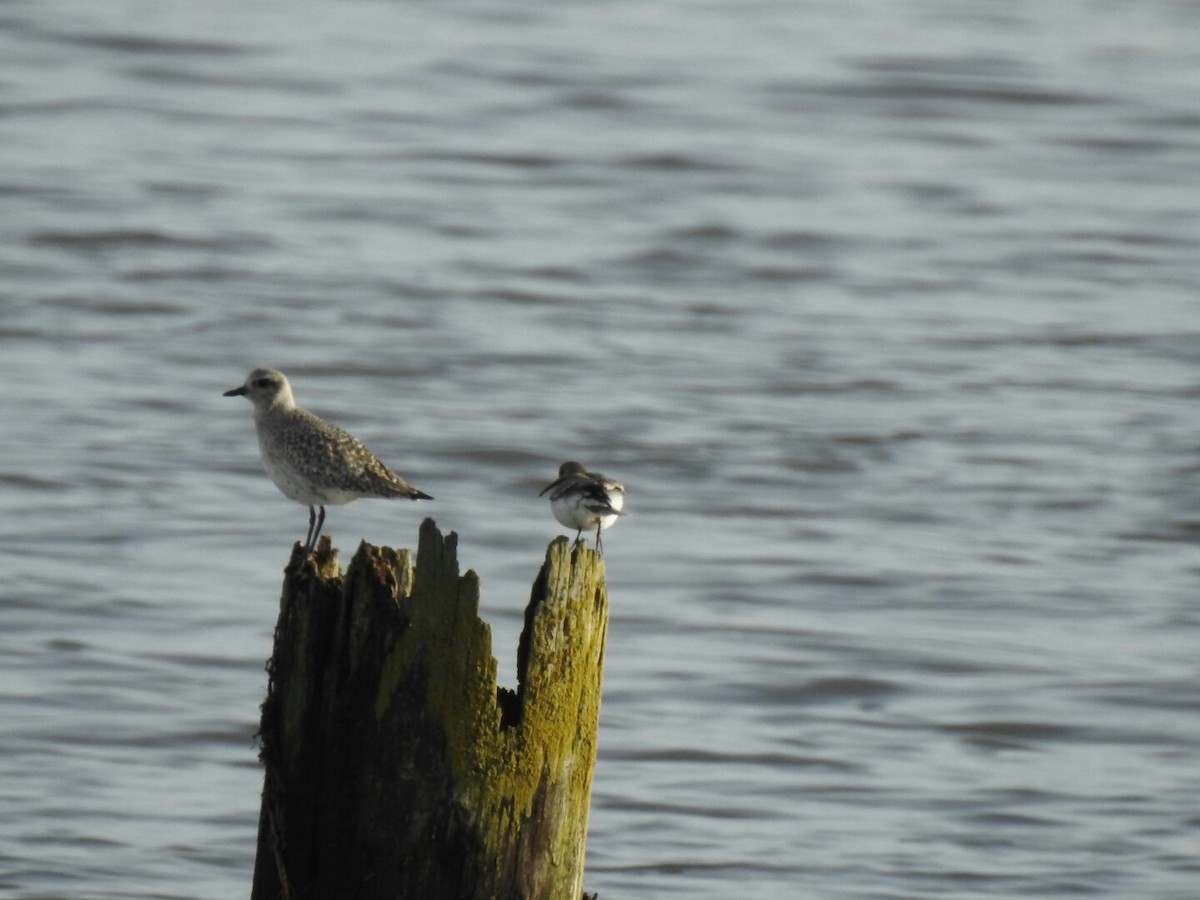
(886, 314)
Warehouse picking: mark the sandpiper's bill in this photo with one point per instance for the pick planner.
(581, 499)
(313, 462)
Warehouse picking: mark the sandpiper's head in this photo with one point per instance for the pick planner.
(571, 468)
(265, 388)
(565, 471)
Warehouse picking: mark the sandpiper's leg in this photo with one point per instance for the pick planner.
(599, 545)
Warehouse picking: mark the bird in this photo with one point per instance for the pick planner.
(310, 460)
(581, 499)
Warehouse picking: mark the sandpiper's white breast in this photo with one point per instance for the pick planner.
(569, 510)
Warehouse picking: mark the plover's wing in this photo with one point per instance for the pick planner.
(339, 459)
(387, 483)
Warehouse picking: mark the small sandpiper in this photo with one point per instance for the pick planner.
(311, 461)
(581, 499)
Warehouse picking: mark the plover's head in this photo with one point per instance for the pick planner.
(265, 388)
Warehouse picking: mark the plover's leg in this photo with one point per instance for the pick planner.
(320, 521)
(308, 537)
(599, 545)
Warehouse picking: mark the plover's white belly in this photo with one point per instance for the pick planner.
(295, 484)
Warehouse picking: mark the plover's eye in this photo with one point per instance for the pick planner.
(262, 382)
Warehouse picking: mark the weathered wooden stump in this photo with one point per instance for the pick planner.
(395, 767)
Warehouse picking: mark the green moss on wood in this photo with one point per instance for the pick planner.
(431, 782)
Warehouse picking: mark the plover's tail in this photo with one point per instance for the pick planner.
(386, 483)
(402, 490)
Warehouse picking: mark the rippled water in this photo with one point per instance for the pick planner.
(885, 314)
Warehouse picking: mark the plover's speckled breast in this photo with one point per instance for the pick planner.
(317, 463)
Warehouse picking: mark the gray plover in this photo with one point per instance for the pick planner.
(581, 499)
(311, 461)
